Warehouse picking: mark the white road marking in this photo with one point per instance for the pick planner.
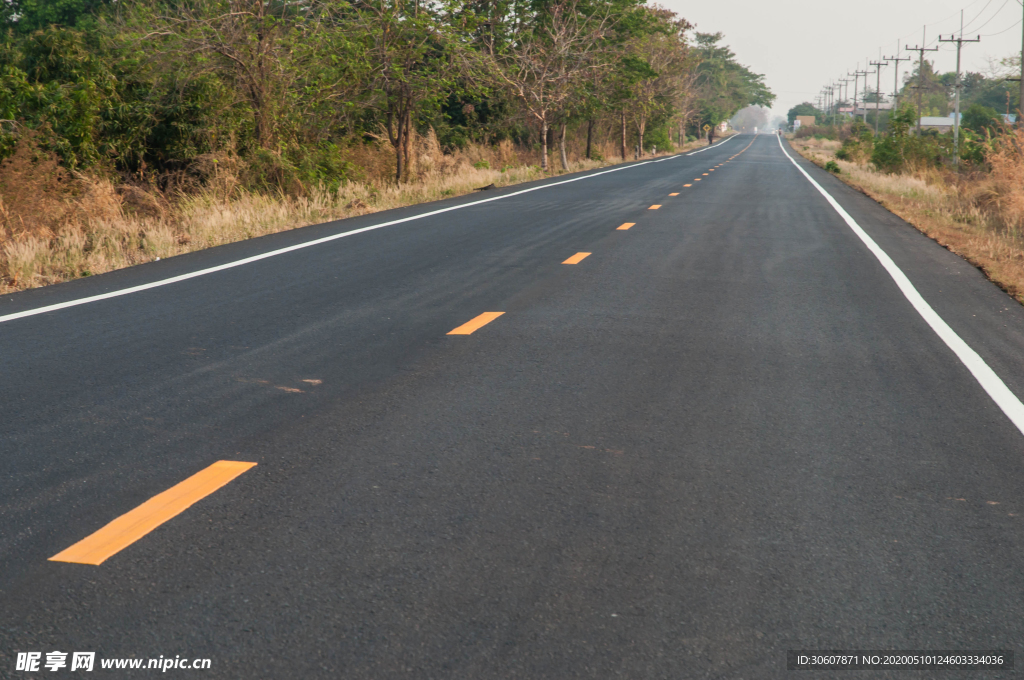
(992, 383)
(308, 244)
(708, 147)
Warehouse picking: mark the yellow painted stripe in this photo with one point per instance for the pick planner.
(676, 194)
(132, 526)
(697, 179)
(654, 207)
(577, 258)
(475, 324)
(626, 226)
(687, 185)
(705, 174)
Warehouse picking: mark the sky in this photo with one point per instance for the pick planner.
(801, 46)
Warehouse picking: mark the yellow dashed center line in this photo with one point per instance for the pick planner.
(625, 226)
(705, 174)
(477, 323)
(687, 185)
(577, 258)
(675, 194)
(133, 525)
(654, 207)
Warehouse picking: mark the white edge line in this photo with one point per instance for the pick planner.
(992, 383)
(308, 244)
(708, 147)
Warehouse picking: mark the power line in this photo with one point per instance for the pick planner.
(1001, 8)
(989, 35)
(978, 14)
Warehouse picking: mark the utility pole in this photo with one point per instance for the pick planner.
(856, 76)
(833, 87)
(920, 49)
(896, 76)
(867, 63)
(956, 116)
(856, 80)
(878, 91)
(845, 85)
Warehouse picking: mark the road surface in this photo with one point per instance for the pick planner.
(723, 434)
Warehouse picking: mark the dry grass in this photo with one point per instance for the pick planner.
(977, 216)
(90, 226)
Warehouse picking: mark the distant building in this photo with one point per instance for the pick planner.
(945, 123)
(940, 123)
(869, 107)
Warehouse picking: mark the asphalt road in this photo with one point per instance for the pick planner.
(722, 435)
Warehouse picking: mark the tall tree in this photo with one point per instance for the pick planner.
(658, 62)
(413, 55)
(550, 59)
(726, 86)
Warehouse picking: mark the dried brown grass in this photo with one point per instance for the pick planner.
(55, 226)
(979, 215)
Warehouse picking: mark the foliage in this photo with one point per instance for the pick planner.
(724, 85)
(858, 145)
(293, 95)
(900, 150)
(981, 119)
(804, 109)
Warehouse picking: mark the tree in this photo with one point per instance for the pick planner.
(547, 62)
(26, 16)
(750, 117)
(804, 109)
(412, 54)
(982, 119)
(247, 42)
(725, 85)
(657, 64)
(934, 93)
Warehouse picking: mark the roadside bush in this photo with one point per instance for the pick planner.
(833, 167)
(657, 137)
(982, 120)
(858, 145)
(900, 150)
(817, 132)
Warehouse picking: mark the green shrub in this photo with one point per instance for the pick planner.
(482, 164)
(657, 137)
(901, 150)
(981, 119)
(858, 145)
(833, 167)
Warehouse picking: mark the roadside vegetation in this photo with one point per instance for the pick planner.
(971, 198)
(131, 131)
(975, 209)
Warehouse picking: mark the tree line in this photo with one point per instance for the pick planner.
(293, 86)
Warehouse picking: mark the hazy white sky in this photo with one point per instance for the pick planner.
(800, 46)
